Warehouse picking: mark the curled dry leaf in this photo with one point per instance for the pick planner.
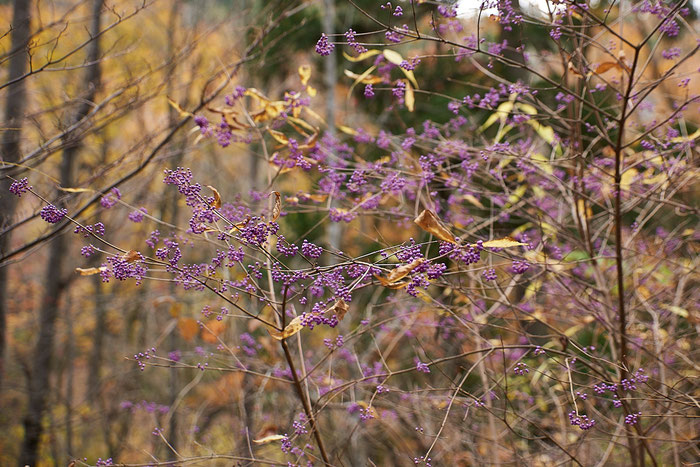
(131, 256)
(506, 242)
(278, 136)
(268, 439)
(292, 328)
(90, 271)
(277, 208)
(428, 221)
(402, 271)
(217, 197)
(339, 308)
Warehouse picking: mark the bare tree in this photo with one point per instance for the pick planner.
(10, 150)
(54, 283)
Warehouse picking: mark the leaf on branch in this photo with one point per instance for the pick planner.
(188, 328)
(292, 328)
(217, 197)
(339, 308)
(428, 221)
(402, 271)
(607, 66)
(364, 78)
(362, 56)
(396, 58)
(180, 110)
(304, 74)
(277, 208)
(90, 271)
(131, 256)
(347, 130)
(268, 439)
(76, 190)
(278, 136)
(505, 242)
(410, 97)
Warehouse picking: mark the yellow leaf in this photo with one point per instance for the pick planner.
(292, 328)
(682, 312)
(506, 242)
(410, 98)
(269, 439)
(304, 74)
(428, 221)
(311, 91)
(217, 197)
(188, 328)
(278, 136)
(346, 130)
(75, 190)
(362, 56)
(396, 58)
(368, 79)
(180, 110)
(90, 271)
(472, 199)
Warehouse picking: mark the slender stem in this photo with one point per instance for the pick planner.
(305, 402)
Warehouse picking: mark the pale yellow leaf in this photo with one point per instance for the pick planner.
(278, 136)
(268, 439)
(89, 271)
(362, 56)
(410, 98)
(304, 74)
(506, 242)
(277, 208)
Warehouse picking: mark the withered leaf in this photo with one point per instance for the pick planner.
(277, 208)
(292, 328)
(605, 66)
(278, 136)
(90, 271)
(339, 308)
(428, 221)
(217, 197)
(131, 256)
(402, 271)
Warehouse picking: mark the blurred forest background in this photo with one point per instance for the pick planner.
(99, 99)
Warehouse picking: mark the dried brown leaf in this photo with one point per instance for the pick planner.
(428, 221)
(131, 256)
(277, 208)
(402, 271)
(217, 197)
(292, 328)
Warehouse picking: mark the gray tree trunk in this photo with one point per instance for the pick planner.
(54, 284)
(10, 146)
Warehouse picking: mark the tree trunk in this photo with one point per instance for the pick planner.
(54, 284)
(10, 146)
